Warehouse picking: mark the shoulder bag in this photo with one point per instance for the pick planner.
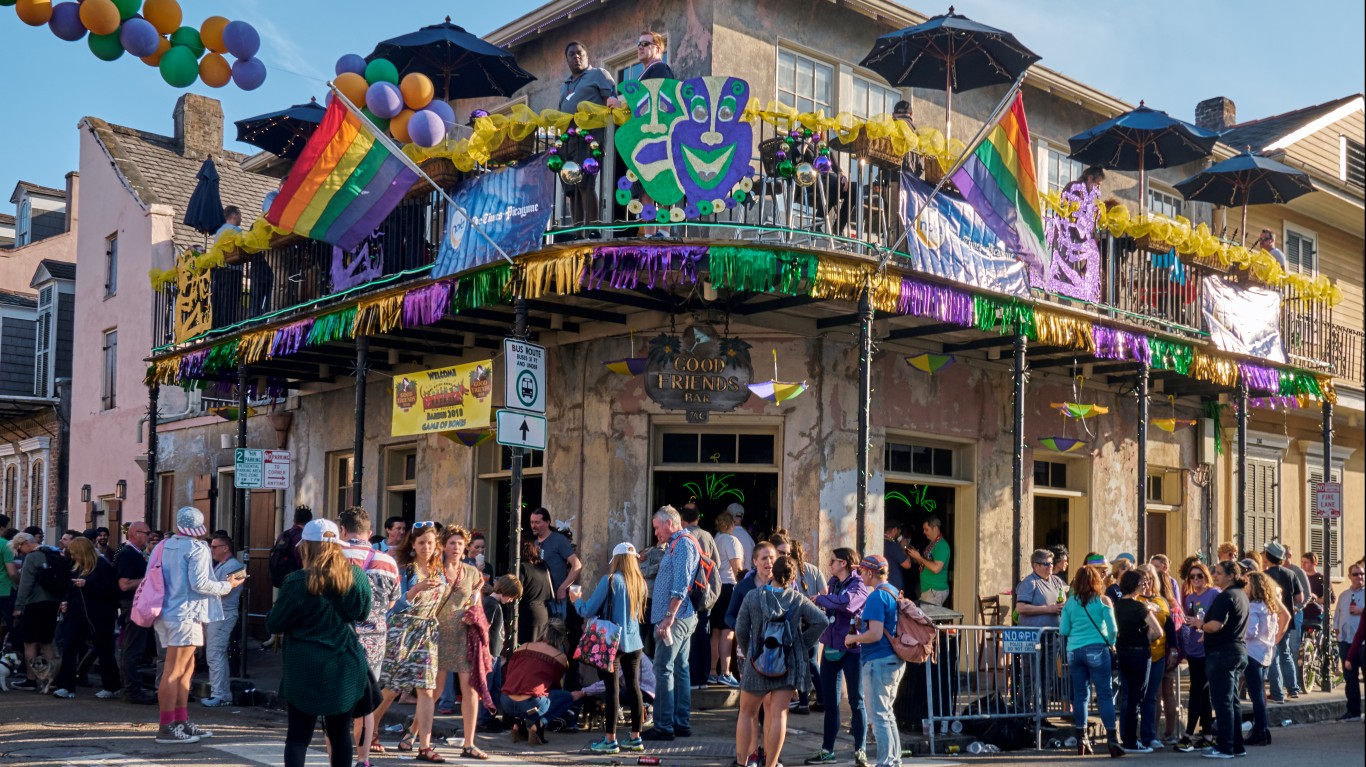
(601, 640)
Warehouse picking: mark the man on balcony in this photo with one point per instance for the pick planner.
(592, 85)
(1267, 242)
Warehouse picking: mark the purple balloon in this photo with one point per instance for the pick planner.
(248, 74)
(139, 37)
(351, 62)
(384, 99)
(425, 128)
(241, 39)
(443, 110)
(66, 22)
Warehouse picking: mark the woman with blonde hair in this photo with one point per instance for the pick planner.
(325, 670)
(92, 605)
(1267, 622)
(620, 598)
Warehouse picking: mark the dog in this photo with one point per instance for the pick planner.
(10, 666)
(45, 672)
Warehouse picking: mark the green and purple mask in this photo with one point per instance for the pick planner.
(643, 141)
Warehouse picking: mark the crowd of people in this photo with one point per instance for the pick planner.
(415, 612)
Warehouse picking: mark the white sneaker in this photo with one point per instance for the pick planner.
(63, 693)
(173, 734)
(107, 694)
(1216, 754)
(1139, 749)
(214, 702)
(1156, 745)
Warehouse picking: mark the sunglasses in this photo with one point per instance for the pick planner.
(421, 525)
(1044, 564)
(645, 43)
(1197, 576)
(1356, 573)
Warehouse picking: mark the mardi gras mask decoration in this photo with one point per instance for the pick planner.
(643, 141)
(711, 147)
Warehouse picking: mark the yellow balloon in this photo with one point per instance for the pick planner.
(155, 59)
(215, 70)
(101, 17)
(398, 126)
(211, 34)
(165, 15)
(352, 86)
(34, 13)
(417, 90)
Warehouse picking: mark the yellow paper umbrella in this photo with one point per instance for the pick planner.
(628, 366)
(778, 391)
(930, 363)
(1080, 410)
(469, 437)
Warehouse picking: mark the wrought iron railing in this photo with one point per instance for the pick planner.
(1157, 288)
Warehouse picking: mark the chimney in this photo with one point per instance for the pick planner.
(73, 189)
(198, 126)
(1217, 114)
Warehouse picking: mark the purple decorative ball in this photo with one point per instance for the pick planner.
(822, 164)
(351, 62)
(241, 39)
(384, 99)
(139, 37)
(66, 22)
(248, 73)
(442, 110)
(426, 129)
(591, 166)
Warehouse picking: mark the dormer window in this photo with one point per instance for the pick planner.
(23, 227)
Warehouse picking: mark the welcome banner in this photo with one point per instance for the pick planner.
(445, 399)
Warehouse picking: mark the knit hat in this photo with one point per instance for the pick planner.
(1096, 559)
(624, 548)
(321, 531)
(190, 521)
(874, 562)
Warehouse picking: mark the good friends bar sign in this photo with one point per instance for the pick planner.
(698, 372)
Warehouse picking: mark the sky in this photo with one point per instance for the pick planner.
(1171, 53)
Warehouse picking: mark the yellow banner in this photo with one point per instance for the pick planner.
(445, 399)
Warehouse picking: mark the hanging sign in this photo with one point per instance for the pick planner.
(698, 372)
(445, 399)
(1328, 500)
(1020, 641)
(524, 376)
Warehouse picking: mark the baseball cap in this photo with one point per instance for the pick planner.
(1126, 555)
(190, 521)
(874, 562)
(321, 531)
(623, 548)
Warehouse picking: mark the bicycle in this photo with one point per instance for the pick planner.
(1312, 651)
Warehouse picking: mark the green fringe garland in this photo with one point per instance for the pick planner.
(334, 326)
(1171, 355)
(760, 271)
(1005, 316)
(1215, 412)
(1296, 383)
(221, 357)
(795, 269)
(490, 286)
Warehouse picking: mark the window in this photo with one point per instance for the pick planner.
(871, 98)
(805, 83)
(1050, 474)
(1301, 251)
(625, 72)
(42, 357)
(716, 447)
(1316, 526)
(12, 491)
(1353, 162)
(926, 460)
(111, 265)
(400, 482)
(1260, 523)
(1164, 204)
(37, 483)
(1059, 169)
(109, 398)
(339, 470)
(24, 225)
(1155, 483)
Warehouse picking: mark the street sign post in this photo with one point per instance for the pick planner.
(1328, 500)
(518, 429)
(524, 384)
(255, 469)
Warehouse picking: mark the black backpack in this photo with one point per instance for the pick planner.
(54, 576)
(771, 643)
(283, 559)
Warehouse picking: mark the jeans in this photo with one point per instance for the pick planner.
(539, 710)
(673, 693)
(1223, 666)
(1197, 708)
(1282, 670)
(881, 678)
(447, 699)
(1091, 665)
(134, 639)
(1134, 665)
(495, 683)
(217, 636)
(1148, 709)
(1255, 674)
(848, 665)
(1352, 679)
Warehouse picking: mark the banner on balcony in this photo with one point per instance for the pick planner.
(193, 303)
(510, 206)
(1243, 320)
(948, 239)
(444, 399)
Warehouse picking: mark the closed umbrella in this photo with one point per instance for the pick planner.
(283, 133)
(204, 211)
(951, 52)
(462, 65)
(1247, 179)
(1142, 139)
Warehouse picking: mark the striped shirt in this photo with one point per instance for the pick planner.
(382, 571)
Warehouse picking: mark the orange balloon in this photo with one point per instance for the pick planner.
(34, 13)
(417, 90)
(215, 70)
(211, 34)
(101, 17)
(155, 59)
(165, 15)
(398, 126)
(353, 87)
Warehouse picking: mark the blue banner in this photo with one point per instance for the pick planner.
(510, 206)
(948, 239)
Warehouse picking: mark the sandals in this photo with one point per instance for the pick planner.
(472, 752)
(405, 743)
(375, 746)
(430, 755)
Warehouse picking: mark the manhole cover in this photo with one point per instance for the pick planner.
(56, 752)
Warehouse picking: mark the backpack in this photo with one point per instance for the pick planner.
(54, 576)
(150, 597)
(916, 637)
(283, 559)
(769, 647)
(705, 588)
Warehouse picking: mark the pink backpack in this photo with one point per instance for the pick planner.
(151, 594)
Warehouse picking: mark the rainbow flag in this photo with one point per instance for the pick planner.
(344, 183)
(999, 182)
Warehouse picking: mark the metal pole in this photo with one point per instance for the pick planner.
(1241, 468)
(1017, 459)
(150, 484)
(519, 331)
(1326, 633)
(865, 386)
(241, 525)
(358, 443)
(1143, 462)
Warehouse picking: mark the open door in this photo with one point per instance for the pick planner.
(261, 536)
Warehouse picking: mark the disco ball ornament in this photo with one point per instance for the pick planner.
(570, 173)
(822, 165)
(591, 166)
(805, 174)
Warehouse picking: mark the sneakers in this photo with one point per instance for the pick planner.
(106, 694)
(63, 693)
(1216, 754)
(24, 684)
(633, 745)
(1155, 744)
(801, 708)
(713, 679)
(194, 730)
(1185, 745)
(214, 702)
(1138, 749)
(654, 733)
(1349, 717)
(821, 757)
(861, 758)
(173, 734)
(605, 747)
(728, 680)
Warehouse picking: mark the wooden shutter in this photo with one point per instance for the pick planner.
(1316, 525)
(1261, 521)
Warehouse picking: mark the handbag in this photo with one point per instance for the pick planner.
(601, 639)
(1114, 654)
(150, 597)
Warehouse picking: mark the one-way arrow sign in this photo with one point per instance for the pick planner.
(520, 429)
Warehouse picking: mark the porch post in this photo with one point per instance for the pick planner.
(242, 526)
(1326, 634)
(358, 442)
(1240, 502)
(865, 393)
(519, 331)
(1143, 380)
(150, 483)
(1017, 460)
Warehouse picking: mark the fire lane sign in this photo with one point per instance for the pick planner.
(1328, 500)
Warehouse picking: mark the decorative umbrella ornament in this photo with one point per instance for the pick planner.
(776, 391)
(469, 437)
(1172, 423)
(1062, 444)
(628, 366)
(1079, 410)
(931, 363)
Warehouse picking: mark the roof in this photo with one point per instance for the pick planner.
(43, 191)
(21, 300)
(58, 270)
(1268, 131)
(157, 174)
(6, 219)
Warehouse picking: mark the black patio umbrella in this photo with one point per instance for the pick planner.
(1247, 179)
(951, 52)
(204, 211)
(283, 133)
(461, 65)
(1141, 139)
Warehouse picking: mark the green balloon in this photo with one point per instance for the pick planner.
(179, 67)
(7, 3)
(380, 70)
(188, 37)
(379, 122)
(105, 47)
(128, 8)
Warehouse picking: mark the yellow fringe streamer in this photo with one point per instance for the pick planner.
(1330, 393)
(164, 372)
(254, 347)
(840, 280)
(563, 269)
(1216, 370)
(886, 292)
(378, 315)
(1058, 330)
(161, 277)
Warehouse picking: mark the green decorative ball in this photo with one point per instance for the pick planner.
(555, 163)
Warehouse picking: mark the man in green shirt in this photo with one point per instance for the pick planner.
(934, 564)
(9, 581)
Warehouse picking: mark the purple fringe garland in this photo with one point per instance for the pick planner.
(620, 267)
(426, 305)
(1112, 344)
(192, 364)
(922, 299)
(290, 338)
(1272, 403)
(1260, 378)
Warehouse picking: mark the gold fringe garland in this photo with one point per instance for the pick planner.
(1058, 330)
(563, 269)
(1216, 370)
(164, 372)
(840, 280)
(378, 315)
(1330, 393)
(886, 292)
(255, 347)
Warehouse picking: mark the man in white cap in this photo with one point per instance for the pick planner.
(746, 540)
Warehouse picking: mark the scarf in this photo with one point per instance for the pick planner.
(477, 644)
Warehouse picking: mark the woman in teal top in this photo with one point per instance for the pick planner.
(620, 598)
(1088, 624)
